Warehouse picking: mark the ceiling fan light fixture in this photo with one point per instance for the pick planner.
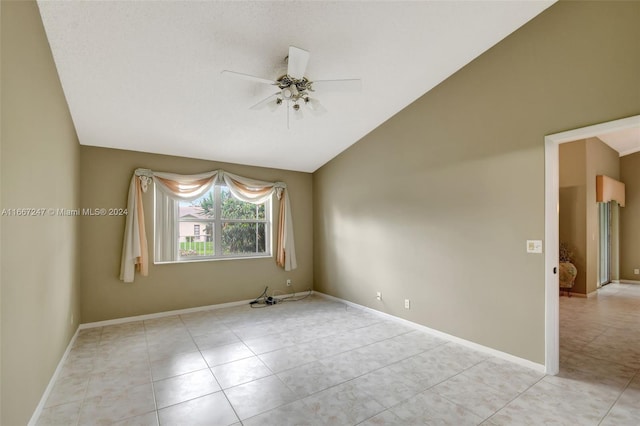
(294, 87)
(315, 106)
(291, 93)
(312, 103)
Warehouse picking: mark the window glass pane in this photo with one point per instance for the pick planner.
(202, 208)
(243, 238)
(232, 208)
(605, 242)
(194, 244)
(195, 233)
(214, 226)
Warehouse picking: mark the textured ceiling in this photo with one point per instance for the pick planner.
(146, 76)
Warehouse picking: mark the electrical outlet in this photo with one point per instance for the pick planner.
(636, 271)
(378, 295)
(288, 283)
(407, 304)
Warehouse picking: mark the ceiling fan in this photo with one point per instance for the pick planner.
(294, 88)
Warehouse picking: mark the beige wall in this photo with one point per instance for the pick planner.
(630, 217)
(573, 206)
(436, 204)
(601, 160)
(580, 162)
(105, 176)
(1, 204)
(40, 154)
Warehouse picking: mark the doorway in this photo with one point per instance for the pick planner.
(552, 142)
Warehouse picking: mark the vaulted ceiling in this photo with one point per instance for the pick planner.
(146, 76)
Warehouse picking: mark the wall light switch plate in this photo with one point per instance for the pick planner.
(534, 246)
(636, 271)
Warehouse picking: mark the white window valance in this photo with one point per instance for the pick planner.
(190, 187)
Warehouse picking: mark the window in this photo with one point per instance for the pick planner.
(214, 226)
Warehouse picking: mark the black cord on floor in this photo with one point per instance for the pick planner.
(255, 302)
(263, 300)
(293, 298)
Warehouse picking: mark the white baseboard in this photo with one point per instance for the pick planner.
(162, 314)
(175, 312)
(629, 282)
(38, 411)
(582, 295)
(593, 293)
(472, 345)
(485, 349)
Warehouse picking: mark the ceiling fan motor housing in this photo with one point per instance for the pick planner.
(294, 89)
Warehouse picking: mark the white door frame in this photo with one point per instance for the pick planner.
(551, 233)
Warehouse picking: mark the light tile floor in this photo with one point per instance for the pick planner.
(319, 362)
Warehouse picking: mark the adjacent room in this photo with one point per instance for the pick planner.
(317, 213)
(598, 284)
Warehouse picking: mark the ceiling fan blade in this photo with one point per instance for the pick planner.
(298, 59)
(263, 103)
(249, 77)
(343, 85)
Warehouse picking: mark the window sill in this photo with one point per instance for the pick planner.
(213, 259)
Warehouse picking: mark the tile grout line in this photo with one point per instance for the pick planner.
(455, 403)
(515, 397)
(368, 372)
(318, 360)
(153, 385)
(226, 397)
(637, 374)
(289, 317)
(86, 390)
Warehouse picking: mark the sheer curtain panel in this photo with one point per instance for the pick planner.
(175, 187)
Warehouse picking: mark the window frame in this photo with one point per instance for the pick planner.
(217, 221)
